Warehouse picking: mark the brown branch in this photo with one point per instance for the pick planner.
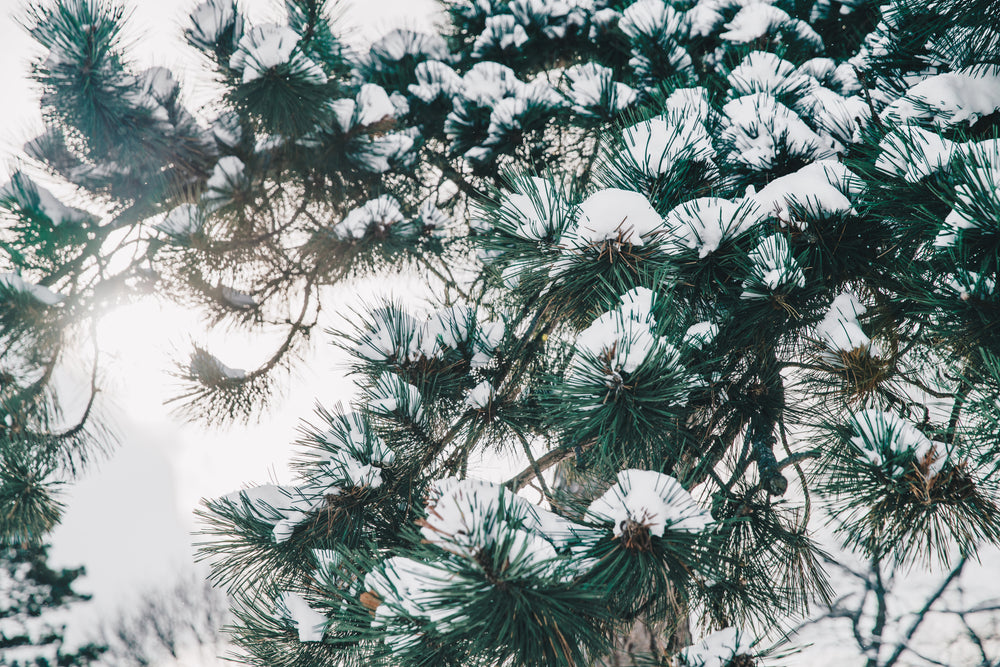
(922, 614)
(521, 479)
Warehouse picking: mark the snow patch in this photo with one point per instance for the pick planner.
(619, 216)
(652, 499)
(882, 436)
(839, 329)
(951, 98)
(773, 267)
(717, 649)
(819, 190)
(183, 220)
(703, 224)
(43, 295)
(309, 623)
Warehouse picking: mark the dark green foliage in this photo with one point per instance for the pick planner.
(31, 590)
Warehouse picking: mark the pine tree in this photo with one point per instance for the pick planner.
(31, 592)
(713, 271)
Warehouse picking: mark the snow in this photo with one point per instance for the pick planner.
(820, 68)
(880, 436)
(555, 16)
(391, 394)
(227, 177)
(703, 19)
(535, 212)
(773, 267)
(953, 223)
(976, 192)
(951, 98)
(327, 560)
(211, 19)
(839, 329)
(408, 588)
(717, 649)
(758, 125)
(649, 18)
(652, 499)
(43, 295)
(391, 338)
(700, 334)
(488, 82)
(658, 143)
(399, 43)
(400, 105)
(612, 344)
(753, 21)
(620, 341)
(300, 508)
(818, 190)
(268, 46)
(452, 328)
(376, 216)
(969, 283)
(703, 224)
(764, 72)
(637, 304)
(343, 113)
(756, 20)
(840, 117)
(382, 151)
(502, 32)
(160, 83)
(491, 333)
(27, 194)
(351, 456)
(283, 508)
(480, 396)
(469, 516)
(620, 216)
(210, 369)
(237, 299)
(592, 86)
(689, 102)
(400, 336)
(434, 219)
(269, 142)
(182, 221)
(507, 112)
(504, 118)
(373, 105)
(226, 129)
(309, 622)
(913, 153)
(434, 78)
(355, 454)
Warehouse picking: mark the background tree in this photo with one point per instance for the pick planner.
(953, 622)
(31, 597)
(680, 252)
(177, 625)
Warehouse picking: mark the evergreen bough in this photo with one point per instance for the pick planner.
(713, 271)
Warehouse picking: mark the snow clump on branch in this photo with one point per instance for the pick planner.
(718, 649)
(650, 499)
(881, 437)
(266, 47)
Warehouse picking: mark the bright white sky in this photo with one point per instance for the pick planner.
(129, 519)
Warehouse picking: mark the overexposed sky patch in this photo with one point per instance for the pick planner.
(129, 518)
